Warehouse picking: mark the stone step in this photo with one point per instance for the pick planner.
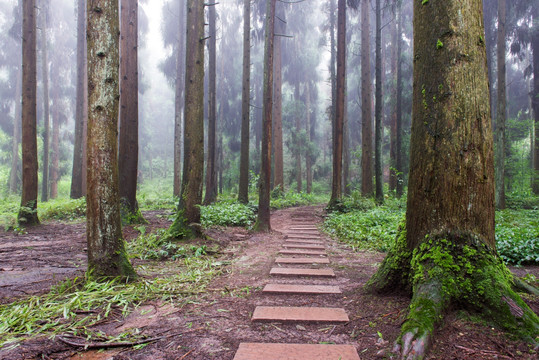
(264, 351)
(302, 272)
(311, 237)
(303, 246)
(302, 233)
(302, 252)
(303, 241)
(303, 227)
(299, 314)
(301, 289)
(289, 260)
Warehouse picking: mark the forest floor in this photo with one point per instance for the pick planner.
(212, 325)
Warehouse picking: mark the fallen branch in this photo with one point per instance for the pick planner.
(104, 345)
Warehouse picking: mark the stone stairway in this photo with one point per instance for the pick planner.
(304, 249)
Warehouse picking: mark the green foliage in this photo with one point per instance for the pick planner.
(293, 198)
(519, 200)
(156, 195)
(517, 236)
(62, 209)
(227, 213)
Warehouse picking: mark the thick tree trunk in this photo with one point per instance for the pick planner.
(243, 188)
(263, 220)
(77, 187)
(308, 155)
(187, 222)
(535, 97)
(393, 124)
(211, 174)
(46, 120)
(378, 109)
(332, 69)
(366, 104)
(298, 142)
(446, 254)
(14, 172)
(278, 155)
(336, 184)
(179, 100)
(399, 134)
(54, 168)
(128, 145)
(501, 109)
(106, 250)
(28, 210)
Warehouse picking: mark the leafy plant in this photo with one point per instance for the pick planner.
(227, 213)
(517, 236)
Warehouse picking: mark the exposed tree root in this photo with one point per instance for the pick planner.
(455, 270)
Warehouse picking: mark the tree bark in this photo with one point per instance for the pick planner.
(393, 124)
(46, 120)
(308, 127)
(106, 250)
(366, 104)
(28, 210)
(298, 141)
(378, 110)
(263, 220)
(54, 168)
(187, 222)
(398, 150)
(336, 184)
(211, 174)
(179, 99)
(128, 145)
(77, 186)
(14, 172)
(278, 155)
(243, 188)
(501, 109)
(535, 97)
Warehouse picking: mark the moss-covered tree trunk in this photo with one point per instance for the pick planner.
(28, 210)
(446, 253)
(366, 103)
(106, 250)
(187, 222)
(263, 219)
(243, 187)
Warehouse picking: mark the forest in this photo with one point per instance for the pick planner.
(164, 163)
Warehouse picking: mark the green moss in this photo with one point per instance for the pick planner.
(180, 229)
(423, 2)
(439, 44)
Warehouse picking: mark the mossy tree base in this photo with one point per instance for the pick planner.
(117, 264)
(455, 270)
(130, 214)
(28, 214)
(181, 229)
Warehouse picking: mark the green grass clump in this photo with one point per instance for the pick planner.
(62, 209)
(227, 213)
(517, 236)
(293, 198)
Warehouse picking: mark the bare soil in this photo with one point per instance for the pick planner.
(212, 326)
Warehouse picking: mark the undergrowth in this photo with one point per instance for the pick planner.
(227, 213)
(517, 236)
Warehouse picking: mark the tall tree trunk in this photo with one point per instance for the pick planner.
(501, 109)
(128, 145)
(378, 110)
(346, 151)
(187, 222)
(393, 124)
(278, 169)
(263, 220)
(46, 122)
(447, 250)
(298, 142)
(243, 188)
(399, 134)
(28, 210)
(77, 187)
(535, 97)
(336, 184)
(211, 174)
(308, 127)
(332, 69)
(366, 103)
(179, 100)
(106, 250)
(14, 172)
(54, 168)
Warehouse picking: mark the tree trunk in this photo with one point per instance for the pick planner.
(243, 188)
(501, 109)
(378, 110)
(535, 97)
(128, 145)
(278, 169)
(211, 174)
(77, 187)
(366, 104)
(54, 168)
(393, 125)
(263, 220)
(179, 99)
(46, 122)
(106, 250)
(446, 253)
(332, 69)
(346, 151)
(298, 142)
(336, 184)
(14, 172)
(28, 210)
(398, 150)
(308, 127)
(187, 222)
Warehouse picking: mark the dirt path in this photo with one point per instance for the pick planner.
(213, 326)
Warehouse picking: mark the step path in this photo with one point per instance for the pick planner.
(303, 239)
